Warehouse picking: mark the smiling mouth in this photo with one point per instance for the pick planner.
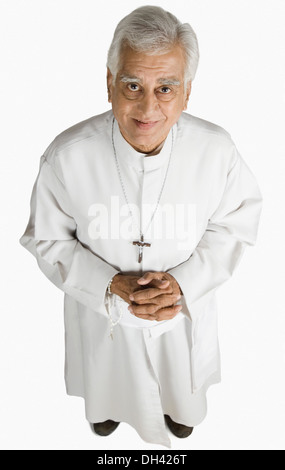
(144, 124)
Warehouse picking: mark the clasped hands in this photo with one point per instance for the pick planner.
(151, 297)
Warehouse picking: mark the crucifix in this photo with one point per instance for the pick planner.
(141, 244)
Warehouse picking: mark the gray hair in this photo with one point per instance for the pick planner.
(153, 30)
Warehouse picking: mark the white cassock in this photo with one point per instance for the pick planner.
(80, 233)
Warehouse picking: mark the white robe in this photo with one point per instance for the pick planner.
(150, 368)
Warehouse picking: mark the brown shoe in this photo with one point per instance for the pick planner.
(106, 428)
(179, 430)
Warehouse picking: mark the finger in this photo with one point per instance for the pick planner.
(150, 296)
(148, 277)
(142, 296)
(146, 294)
(163, 314)
(166, 300)
(168, 313)
(143, 309)
(160, 283)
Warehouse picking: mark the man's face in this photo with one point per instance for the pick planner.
(148, 96)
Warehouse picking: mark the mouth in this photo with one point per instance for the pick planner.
(145, 125)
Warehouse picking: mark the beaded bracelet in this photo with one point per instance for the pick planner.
(109, 286)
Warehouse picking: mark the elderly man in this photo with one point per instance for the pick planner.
(138, 215)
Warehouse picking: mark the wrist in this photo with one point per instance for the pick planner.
(113, 284)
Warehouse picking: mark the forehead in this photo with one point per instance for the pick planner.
(142, 65)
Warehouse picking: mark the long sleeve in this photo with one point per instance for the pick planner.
(232, 226)
(51, 237)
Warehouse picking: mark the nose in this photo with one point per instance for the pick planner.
(148, 105)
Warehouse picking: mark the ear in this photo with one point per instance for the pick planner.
(188, 93)
(109, 85)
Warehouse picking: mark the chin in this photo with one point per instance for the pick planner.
(152, 134)
(145, 139)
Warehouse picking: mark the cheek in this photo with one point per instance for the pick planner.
(123, 106)
(172, 109)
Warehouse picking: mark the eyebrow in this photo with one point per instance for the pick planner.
(169, 81)
(129, 79)
(162, 81)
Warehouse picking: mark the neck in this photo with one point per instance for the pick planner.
(155, 151)
(149, 151)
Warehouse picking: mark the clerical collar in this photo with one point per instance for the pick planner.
(128, 155)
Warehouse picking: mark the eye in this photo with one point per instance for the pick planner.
(133, 87)
(165, 90)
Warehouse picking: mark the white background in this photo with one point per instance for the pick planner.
(53, 56)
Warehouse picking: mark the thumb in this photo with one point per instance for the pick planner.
(146, 278)
(150, 276)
